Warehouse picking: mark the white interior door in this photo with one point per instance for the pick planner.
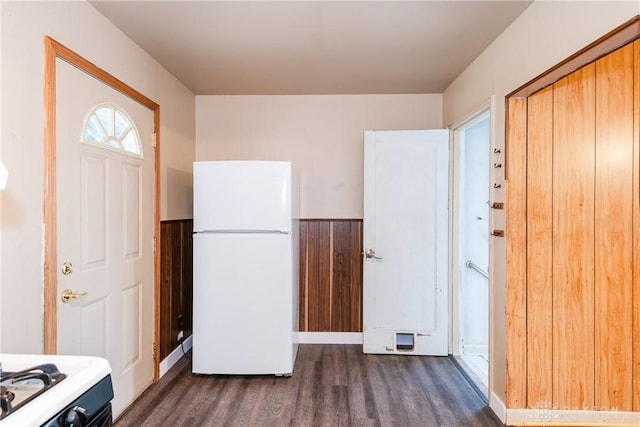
(105, 214)
(405, 242)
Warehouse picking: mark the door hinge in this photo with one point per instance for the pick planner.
(154, 139)
(155, 244)
(155, 351)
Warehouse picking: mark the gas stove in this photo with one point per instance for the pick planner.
(53, 390)
(21, 387)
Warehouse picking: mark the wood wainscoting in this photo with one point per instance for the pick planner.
(331, 275)
(176, 282)
(330, 278)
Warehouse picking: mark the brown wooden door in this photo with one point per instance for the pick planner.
(574, 343)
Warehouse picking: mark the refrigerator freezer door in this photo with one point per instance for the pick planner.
(242, 196)
(242, 299)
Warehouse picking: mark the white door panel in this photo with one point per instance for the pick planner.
(405, 224)
(105, 231)
(93, 211)
(132, 230)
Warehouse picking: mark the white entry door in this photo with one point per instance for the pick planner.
(105, 199)
(405, 242)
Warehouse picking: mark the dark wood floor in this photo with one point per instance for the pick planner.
(332, 385)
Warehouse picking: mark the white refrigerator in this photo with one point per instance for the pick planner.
(245, 267)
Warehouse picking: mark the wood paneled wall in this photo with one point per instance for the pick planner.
(330, 278)
(176, 282)
(572, 240)
(331, 275)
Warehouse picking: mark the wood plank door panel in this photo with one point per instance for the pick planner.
(636, 228)
(573, 239)
(613, 228)
(540, 249)
(516, 293)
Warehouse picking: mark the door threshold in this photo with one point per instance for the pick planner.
(471, 377)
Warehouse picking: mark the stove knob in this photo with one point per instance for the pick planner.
(75, 417)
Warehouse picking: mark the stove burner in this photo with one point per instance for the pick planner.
(19, 388)
(6, 394)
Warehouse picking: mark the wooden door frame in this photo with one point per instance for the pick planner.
(54, 50)
(516, 217)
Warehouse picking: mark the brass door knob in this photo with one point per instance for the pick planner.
(68, 295)
(67, 268)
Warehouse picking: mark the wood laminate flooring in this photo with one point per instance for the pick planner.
(332, 385)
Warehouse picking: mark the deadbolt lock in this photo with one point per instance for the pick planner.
(67, 268)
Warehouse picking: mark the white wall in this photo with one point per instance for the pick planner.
(80, 27)
(545, 34)
(321, 134)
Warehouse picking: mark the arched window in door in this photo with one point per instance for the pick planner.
(109, 126)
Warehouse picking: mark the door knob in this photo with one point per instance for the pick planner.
(371, 254)
(68, 295)
(67, 268)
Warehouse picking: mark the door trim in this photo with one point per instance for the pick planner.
(488, 107)
(614, 39)
(54, 50)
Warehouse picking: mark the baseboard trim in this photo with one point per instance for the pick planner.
(568, 417)
(175, 356)
(328, 337)
(497, 406)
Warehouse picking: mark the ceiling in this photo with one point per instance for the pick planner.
(313, 47)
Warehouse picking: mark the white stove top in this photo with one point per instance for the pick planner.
(82, 373)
